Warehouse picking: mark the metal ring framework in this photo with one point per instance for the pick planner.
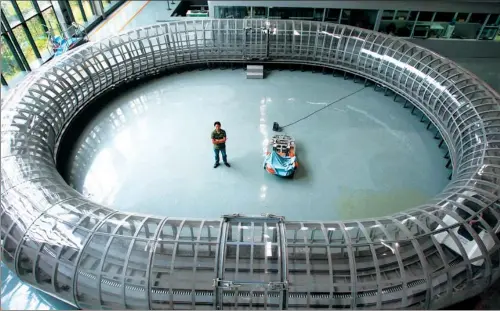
(94, 257)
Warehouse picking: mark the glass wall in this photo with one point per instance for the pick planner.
(107, 4)
(30, 27)
(83, 11)
(401, 23)
(359, 18)
(39, 33)
(89, 11)
(10, 13)
(296, 13)
(77, 11)
(232, 12)
(26, 7)
(51, 21)
(398, 23)
(21, 36)
(10, 66)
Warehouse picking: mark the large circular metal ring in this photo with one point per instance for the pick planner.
(95, 257)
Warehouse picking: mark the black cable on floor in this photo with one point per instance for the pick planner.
(334, 102)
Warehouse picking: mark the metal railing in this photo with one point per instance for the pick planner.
(95, 257)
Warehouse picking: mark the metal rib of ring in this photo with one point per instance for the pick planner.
(95, 257)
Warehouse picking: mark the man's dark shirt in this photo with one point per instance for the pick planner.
(220, 135)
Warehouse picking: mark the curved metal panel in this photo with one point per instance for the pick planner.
(94, 257)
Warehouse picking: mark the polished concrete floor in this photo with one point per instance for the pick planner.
(365, 156)
(16, 295)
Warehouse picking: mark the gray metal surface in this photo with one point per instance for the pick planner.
(94, 257)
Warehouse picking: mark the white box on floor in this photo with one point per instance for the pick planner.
(255, 72)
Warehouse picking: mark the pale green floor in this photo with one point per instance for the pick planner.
(365, 156)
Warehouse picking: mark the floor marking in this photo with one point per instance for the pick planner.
(133, 16)
(110, 17)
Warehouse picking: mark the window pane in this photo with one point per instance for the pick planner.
(462, 17)
(399, 24)
(413, 16)
(489, 33)
(88, 10)
(259, 12)
(10, 67)
(9, 12)
(232, 11)
(25, 45)
(296, 13)
(52, 22)
(493, 20)
(43, 4)
(401, 15)
(332, 15)
(388, 15)
(425, 16)
(478, 18)
(359, 18)
(26, 7)
(77, 13)
(40, 36)
(444, 16)
(106, 4)
(396, 28)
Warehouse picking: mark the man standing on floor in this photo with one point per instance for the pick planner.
(219, 140)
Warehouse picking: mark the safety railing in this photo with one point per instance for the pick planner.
(95, 257)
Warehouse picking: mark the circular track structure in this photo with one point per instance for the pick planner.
(95, 257)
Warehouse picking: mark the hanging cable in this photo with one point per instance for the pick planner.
(277, 128)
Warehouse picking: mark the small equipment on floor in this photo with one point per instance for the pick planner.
(255, 71)
(280, 157)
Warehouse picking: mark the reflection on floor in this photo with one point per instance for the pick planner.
(19, 296)
(133, 14)
(149, 150)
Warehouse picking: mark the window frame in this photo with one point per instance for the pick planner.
(27, 32)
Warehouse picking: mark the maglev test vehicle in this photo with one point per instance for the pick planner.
(280, 157)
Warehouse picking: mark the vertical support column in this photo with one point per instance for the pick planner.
(211, 9)
(40, 16)
(65, 18)
(26, 30)
(80, 5)
(98, 8)
(414, 24)
(482, 27)
(378, 19)
(14, 46)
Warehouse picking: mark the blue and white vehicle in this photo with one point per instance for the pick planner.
(280, 157)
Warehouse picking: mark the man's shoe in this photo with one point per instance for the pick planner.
(216, 164)
(227, 164)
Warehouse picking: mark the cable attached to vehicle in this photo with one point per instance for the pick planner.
(278, 128)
